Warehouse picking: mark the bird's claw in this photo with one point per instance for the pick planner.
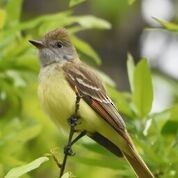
(73, 121)
(68, 151)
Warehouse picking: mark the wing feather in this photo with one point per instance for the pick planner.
(93, 92)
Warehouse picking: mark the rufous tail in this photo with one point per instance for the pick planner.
(136, 162)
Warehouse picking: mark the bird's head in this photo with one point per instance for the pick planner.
(55, 47)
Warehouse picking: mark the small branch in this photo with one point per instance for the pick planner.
(55, 159)
(67, 151)
(73, 121)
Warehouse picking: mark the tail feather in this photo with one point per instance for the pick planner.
(136, 162)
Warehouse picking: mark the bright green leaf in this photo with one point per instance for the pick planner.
(142, 90)
(120, 100)
(56, 21)
(75, 2)
(86, 49)
(90, 21)
(14, 10)
(168, 25)
(61, 18)
(161, 118)
(105, 78)
(130, 70)
(19, 171)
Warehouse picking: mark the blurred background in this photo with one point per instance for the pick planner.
(104, 33)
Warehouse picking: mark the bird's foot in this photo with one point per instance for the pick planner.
(73, 120)
(68, 151)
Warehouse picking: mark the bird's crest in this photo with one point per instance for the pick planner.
(58, 34)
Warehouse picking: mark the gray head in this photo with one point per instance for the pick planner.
(55, 47)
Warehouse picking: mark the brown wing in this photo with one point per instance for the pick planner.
(93, 92)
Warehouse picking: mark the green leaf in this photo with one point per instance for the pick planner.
(75, 2)
(170, 128)
(19, 171)
(121, 101)
(61, 18)
(28, 133)
(86, 49)
(142, 90)
(2, 18)
(98, 161)
(105, 78)
(14, 10)
(167, 25)
(55, 21)
(130, 70)
(90, 21)
(96, 148)
(174, 113)
(131, 2)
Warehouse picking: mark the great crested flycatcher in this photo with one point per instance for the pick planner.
(62, 76)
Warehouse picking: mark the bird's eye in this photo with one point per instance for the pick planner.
(59, 45)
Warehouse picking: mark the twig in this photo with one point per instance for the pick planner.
(73, 121)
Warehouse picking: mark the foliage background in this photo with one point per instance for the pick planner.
(27, 134)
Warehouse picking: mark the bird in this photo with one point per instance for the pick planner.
(62, 77)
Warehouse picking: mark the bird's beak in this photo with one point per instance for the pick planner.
(37, 43)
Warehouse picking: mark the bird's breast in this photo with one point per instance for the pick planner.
(58, 100)
(56, 96)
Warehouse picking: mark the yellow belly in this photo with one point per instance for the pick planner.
(58, 100)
